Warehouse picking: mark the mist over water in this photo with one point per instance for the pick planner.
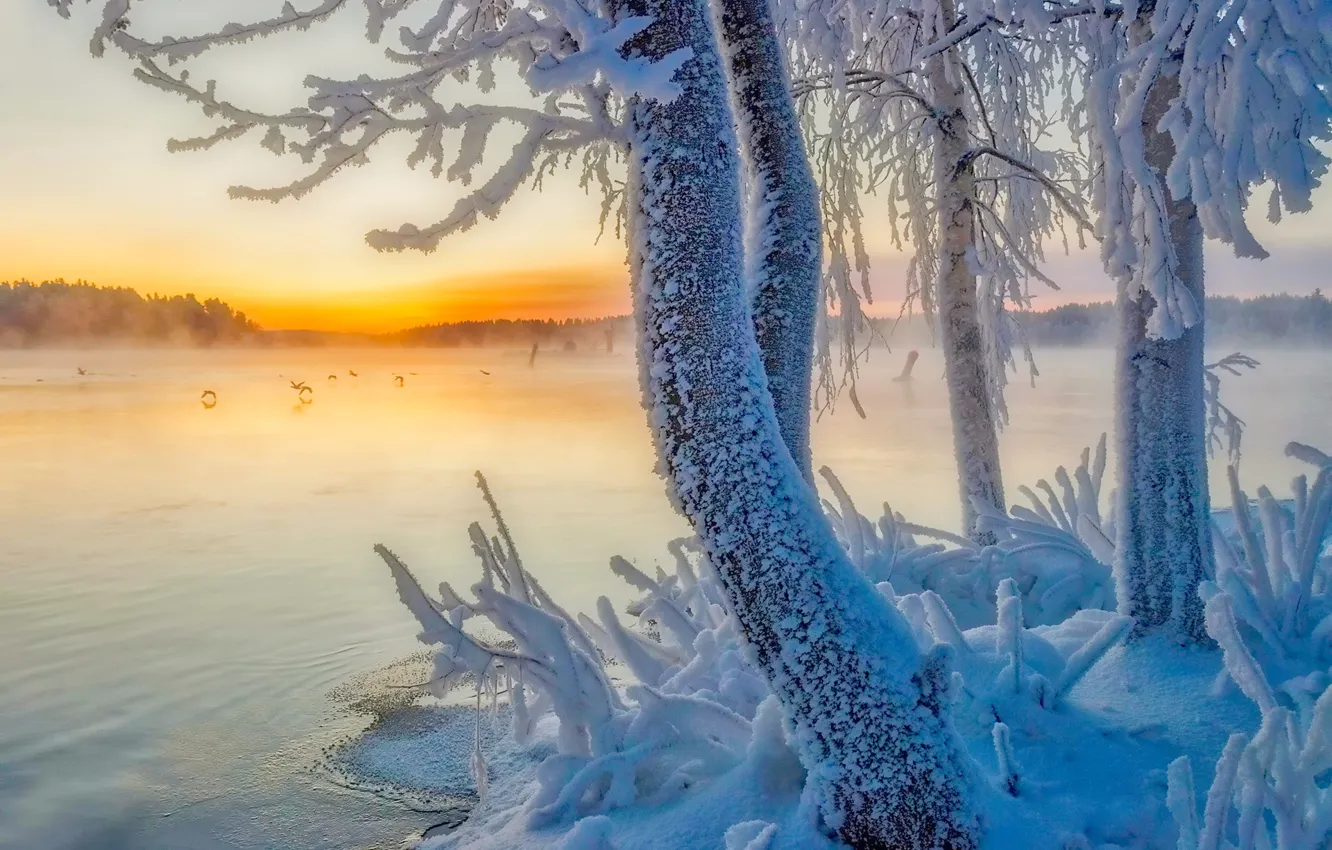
(181, 588)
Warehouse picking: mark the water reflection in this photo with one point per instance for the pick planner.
(180, 587)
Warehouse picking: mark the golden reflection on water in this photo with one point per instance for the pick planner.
(171, 571)
(128, 450)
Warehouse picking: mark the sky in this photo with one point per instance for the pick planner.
(89, 191)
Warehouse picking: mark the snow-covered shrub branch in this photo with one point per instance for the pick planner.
(568, 53)
(687, 716)
(1268, 790)
(691, 705)
(1277, 573)
(1058, 552)
(1269, 609)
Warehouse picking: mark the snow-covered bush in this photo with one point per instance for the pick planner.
(1268, 790)
(1059, 554)
(690, 705)
(1278, 571)
(649, 740)
(1270, 611)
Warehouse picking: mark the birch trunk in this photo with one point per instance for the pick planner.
(975, 437)
(868, 708)
(1163, 547)
(784, 242)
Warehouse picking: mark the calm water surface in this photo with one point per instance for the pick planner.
(181, 588)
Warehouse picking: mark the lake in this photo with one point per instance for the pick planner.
(188, 596)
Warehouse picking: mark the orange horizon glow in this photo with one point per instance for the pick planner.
(91, 193)
(568, 293)
(591, 292)
(558, 293)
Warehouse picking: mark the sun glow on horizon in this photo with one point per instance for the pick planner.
(91, 193)
(568, 293)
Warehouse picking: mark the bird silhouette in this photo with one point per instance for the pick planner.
(398, 380)
(208, 399)
(299, 387)
(353, 374)
(332, 377)
(83, 371)
(484, 372)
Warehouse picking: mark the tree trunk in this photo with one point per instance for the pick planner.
(1163, 546)
(785, 238)
(868, 708)
(975, 437)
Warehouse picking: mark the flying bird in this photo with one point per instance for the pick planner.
(398, 380)
(299, 387)
(208, 399)
(83, 371)
(332, 377)
(484, 372)
(353, 374)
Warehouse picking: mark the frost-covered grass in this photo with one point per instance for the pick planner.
(657, 731)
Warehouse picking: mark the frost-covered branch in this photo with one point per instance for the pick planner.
(1071, 204)
(569, 54)
(1224, 428)
(1268, 789)
(1277, 572)
(872, 125)
(1248, 103)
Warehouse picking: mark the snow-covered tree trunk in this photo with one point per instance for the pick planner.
(975, 437)
(869, 710)
(785, 249)
(1163, 511)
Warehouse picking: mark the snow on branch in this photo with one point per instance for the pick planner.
(116, 29)
(1224, 428)
(1241, 91)
(1276, 574)
(1058, 553)
(687, 718)
(872, 127)
(1269, 790)
(572, 56)
(649, 707)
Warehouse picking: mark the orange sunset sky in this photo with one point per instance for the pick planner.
(88, 191)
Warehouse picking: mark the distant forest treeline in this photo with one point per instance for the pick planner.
(573, 334)
(59, 313)
(1282, 319)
